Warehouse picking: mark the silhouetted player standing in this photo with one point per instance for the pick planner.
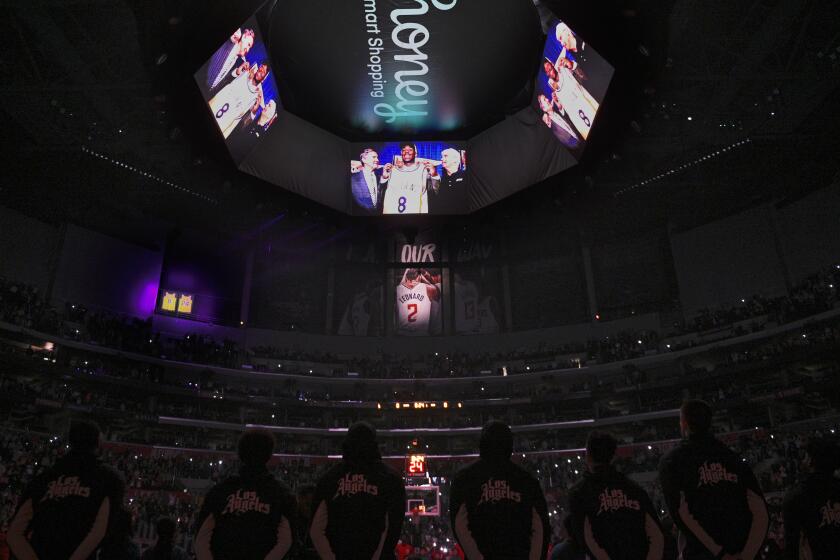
(248, 516)
(119, 542)
(713, 496)
(610, 515)
(67, 509)
(360, 503)
(497, 508)
(812, 507)
(165, 548)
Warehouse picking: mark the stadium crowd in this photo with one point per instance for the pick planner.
(134, 390)
(24, 306)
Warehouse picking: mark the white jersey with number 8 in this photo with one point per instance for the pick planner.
(577, 103)
(414, 309)
(406, 191)
(233, 102)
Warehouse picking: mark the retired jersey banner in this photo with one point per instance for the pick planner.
(477, 296)
(176, 302)
(418, 297)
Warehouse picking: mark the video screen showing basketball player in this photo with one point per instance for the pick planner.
(417, 302)
(476, 308)
(571, 86)
(239, 88)
(400, 178)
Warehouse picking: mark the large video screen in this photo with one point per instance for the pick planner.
(238, 85)
(409, 178)
(571, 86)
(418, 299)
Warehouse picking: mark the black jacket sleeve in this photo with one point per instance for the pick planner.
(649, 508)
(792, 524)
(575, 518)
(205, 526)
(747, 476)
(115, 491)
(210, 506)
(287, 503)
(396, 518)
(541, 508)
(456, 500)
(669, 479)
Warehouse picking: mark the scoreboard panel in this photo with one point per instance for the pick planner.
(415, 465)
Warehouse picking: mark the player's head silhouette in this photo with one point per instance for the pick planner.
(84, 436)
(166, 529)
(255, 448)
(360, 447)
(496, 443)
(823, 455)
(600, 449)
(695, 418)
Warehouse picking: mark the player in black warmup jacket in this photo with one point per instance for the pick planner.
(249, 516)
(498, 510)
(812, 507)
(711, 493)
(360, 503)
(611, 515)
(66, 510)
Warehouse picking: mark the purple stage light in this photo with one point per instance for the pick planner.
(145, 299)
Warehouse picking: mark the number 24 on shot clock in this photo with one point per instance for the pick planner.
(415, 465)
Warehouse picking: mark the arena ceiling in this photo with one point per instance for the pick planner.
(715, 106)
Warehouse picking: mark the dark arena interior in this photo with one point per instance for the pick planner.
(575, 295)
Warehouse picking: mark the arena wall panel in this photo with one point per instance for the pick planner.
(722, 262)
(27, 248)
(809, 232)
(107, 273)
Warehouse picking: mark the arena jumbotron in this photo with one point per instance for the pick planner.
(420, 279)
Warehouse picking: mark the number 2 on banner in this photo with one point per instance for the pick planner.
(412, 312)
